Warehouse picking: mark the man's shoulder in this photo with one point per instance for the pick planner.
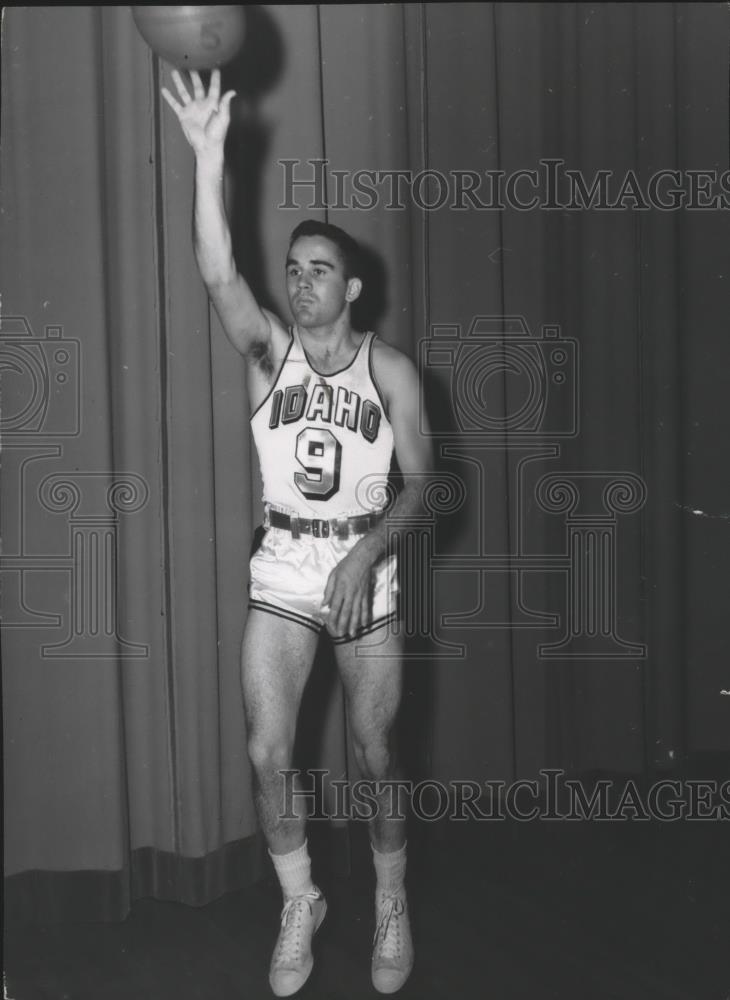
(390, 360)
(394, 372)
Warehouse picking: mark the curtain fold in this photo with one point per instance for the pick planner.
(131, 490)
(143, 745)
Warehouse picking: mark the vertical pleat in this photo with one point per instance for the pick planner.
(64, 783)
(473, 703)
(703, 117)
(128, 154)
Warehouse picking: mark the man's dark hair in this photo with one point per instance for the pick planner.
(346, 245)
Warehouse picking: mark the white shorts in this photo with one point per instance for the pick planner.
(289, 576)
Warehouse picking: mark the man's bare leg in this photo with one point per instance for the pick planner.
(276, 660)
(373, 686)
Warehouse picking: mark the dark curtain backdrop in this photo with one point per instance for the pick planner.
(131, 491)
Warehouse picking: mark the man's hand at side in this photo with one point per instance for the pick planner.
(348, 593)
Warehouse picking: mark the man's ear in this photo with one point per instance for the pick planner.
(354, 287)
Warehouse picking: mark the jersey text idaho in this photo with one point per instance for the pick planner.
(345, 408)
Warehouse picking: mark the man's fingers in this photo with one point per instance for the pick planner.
(214, 91)
(355, 621)
(351, 623)
(339, 625)
(225, 105)
(365, 612)
(198, 88)
(366, 605)
(342, 617)
(181, 88)
(329, 587)
(355, 618)
(223, 117)
(177, 108)
(332, 602)
(360, 611)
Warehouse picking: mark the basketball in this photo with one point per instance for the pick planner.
(192, 37)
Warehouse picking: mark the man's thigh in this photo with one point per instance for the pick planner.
(371, 669)
(276, 660)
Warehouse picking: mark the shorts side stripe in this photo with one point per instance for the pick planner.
(291, 616)
(372, 627)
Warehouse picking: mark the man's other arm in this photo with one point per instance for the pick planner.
(401, 387)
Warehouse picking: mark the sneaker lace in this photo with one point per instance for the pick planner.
(388, 931)
(292, 918)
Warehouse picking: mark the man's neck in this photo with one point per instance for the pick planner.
(329, 345)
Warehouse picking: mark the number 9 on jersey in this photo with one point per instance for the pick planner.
(319, 453)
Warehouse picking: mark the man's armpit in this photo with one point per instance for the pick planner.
(259, 354)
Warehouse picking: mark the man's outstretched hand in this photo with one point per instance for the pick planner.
(204, 117)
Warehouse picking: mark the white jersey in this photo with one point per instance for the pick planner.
(324, 441)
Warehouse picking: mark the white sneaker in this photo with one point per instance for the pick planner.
(292, 960)
(392, 945)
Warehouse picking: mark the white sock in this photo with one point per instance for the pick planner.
(294, 872)
(390, 871)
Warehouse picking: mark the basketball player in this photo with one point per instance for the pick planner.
(329, 406)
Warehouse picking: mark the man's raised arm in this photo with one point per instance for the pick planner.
(204, 119)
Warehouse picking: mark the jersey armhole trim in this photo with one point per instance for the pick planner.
(278, 375)
(371, 369)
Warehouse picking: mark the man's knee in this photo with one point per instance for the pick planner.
(269, 754)
(374, 755)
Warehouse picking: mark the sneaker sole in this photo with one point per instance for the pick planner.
(394, 985)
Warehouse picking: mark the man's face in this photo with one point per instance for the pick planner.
(315, 282)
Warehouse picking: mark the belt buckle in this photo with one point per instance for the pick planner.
(320, 528)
